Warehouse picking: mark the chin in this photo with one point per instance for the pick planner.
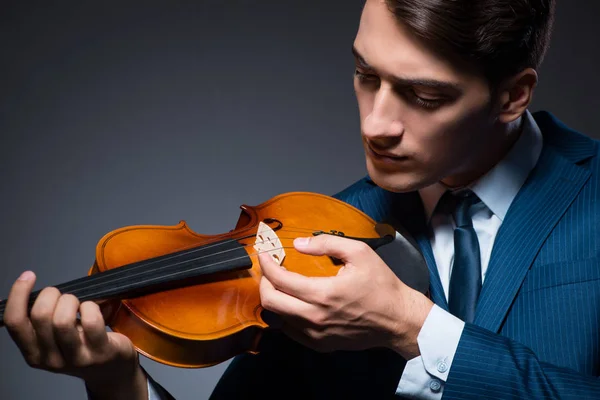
(398, 182)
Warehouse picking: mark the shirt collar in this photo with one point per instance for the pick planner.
(500, 185)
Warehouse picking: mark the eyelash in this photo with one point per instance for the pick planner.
(419, 101)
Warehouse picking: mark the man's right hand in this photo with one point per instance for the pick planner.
(52, 338)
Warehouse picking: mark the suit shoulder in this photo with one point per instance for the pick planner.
(574, 145)
(355, 188)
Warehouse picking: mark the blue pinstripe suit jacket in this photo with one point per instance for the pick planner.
(536, 332)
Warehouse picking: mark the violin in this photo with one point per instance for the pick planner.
(190, 300)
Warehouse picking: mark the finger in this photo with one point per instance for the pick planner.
(42, 314)
(283, 304)
(93, 326)
(16, 316)
(99, 341)
(65, 324)
(301, 287)
(345, 249)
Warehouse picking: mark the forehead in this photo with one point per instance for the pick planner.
(390, 48)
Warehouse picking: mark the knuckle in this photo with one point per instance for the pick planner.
(262, 288)
(54, 362)
(266, 297)
(33, 362)
(326, 242)
(49, 291)
(267, 302)
(90, 313)
(13, 322)
(89, 307)
(91, 320)
(322, 297)
(64, 316)
(362, 249)
(81, 362)
(62, 323)
(320, 320)
(43, 308)
(315, 335)
(70, 299)
(40, 315)
(326, 296)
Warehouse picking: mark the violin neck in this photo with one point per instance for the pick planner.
(155, 274)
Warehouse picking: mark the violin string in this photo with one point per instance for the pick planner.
(88, 279)
(145, 265)
(96, 280)
(216, 243)
(163, 267)
(116, 274)
(102, 279)
(79, 292)
(149, 281)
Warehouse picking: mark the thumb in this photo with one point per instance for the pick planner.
(345, 249)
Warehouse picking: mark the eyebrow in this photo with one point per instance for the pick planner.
(404, 81)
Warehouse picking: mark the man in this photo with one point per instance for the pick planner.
(503, 205)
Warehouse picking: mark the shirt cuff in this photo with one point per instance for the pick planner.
(424, 376)
(155, 392)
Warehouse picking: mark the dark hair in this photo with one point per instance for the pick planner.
(500, 37)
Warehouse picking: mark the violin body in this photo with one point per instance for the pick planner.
(217, 316)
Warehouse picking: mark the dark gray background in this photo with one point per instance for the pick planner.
(114, 115)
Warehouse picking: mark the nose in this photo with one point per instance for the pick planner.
(383, 122)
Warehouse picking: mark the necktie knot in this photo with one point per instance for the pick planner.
(459, 205)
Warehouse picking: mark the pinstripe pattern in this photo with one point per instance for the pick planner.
(542, 291)
(541, 202)
(495, 367)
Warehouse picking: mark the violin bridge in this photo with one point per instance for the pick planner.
(268, 241)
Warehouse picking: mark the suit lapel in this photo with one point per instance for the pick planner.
(436, 289)
(544, 198)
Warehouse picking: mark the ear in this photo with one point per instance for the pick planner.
(515, 95)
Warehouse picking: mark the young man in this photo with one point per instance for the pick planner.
(504, 206)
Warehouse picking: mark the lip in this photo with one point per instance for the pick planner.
(384, 156)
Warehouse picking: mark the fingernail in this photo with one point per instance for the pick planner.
(301, 241)
(26, 276)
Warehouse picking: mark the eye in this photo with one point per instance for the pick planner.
(424, 102)
(364, 77)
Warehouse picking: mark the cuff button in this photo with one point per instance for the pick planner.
(442, 367)
(435, 386)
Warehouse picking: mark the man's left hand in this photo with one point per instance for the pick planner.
(365, 305)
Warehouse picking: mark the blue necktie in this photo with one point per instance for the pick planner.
(465, 281)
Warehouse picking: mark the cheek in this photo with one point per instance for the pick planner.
(444, 140)
(462, 119)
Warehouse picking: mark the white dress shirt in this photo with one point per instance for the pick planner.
(424, 376)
